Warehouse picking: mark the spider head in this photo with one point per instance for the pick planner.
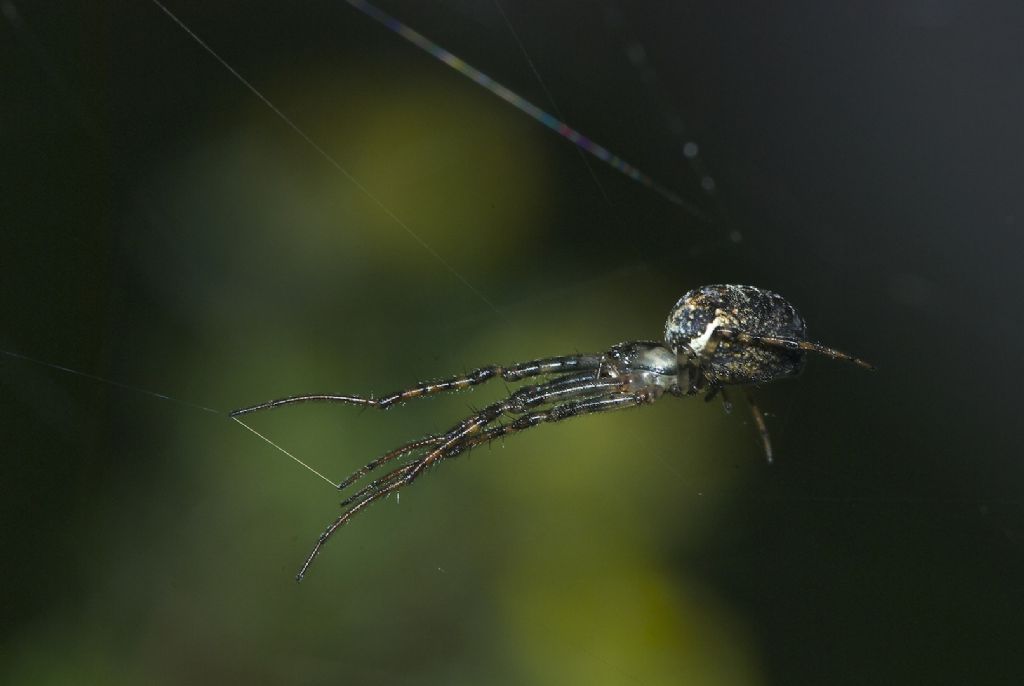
(649, 365)
(692, 326)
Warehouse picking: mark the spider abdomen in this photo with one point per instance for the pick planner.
(695, 318)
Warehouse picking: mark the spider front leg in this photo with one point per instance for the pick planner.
(558, 413)
(461, 435)
(570, 386)
(516, 372)
(387, 457)
(527, 396)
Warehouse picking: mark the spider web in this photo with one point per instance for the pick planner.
(303, 291)
(188, 245)
(559, 286)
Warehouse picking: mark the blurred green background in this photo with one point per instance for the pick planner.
(163, 229)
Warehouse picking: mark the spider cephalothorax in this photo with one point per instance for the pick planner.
(715, 336)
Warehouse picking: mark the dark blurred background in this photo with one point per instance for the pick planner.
(163, 229)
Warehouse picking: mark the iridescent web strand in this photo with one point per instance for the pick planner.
(520, 103)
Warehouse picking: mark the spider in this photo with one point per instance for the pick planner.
(716, 336)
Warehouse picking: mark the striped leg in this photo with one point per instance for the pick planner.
(599, 395)
(517, 372)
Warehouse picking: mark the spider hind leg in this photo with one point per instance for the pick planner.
(762, 425)
(793, 345)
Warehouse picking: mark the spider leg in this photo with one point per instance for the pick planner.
(762, 425)
(562, 388)
(556, 385)
(598, 395)
(516, 372)
(387, 457)
(792, 344)
(553, 365)
(720, 390)
(557, 413)
(379, 484)
(520, 401)
(345, 516)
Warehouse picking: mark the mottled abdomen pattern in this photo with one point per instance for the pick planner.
(744, 309)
